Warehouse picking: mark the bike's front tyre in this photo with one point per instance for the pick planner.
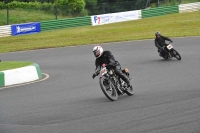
(108, 88)
(176, 54)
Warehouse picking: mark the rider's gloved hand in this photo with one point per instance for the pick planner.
(94, 75)
(171, 41)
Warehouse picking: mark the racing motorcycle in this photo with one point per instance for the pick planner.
(113, 86)
(170, 52)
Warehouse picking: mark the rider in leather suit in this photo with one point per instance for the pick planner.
(106, 57)
(160, 42)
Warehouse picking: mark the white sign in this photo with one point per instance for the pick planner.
(25, 29)
(114, 17)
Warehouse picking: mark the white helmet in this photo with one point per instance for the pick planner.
(98, 51)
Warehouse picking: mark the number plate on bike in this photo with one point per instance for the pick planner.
(103, 71)
(169, 46)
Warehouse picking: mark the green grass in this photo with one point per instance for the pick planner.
(23, 16)
(7, 65)
(174, 2)
(174, 25)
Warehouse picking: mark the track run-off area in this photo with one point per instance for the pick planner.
(166, 99)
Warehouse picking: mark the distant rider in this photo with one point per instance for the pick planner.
(106, 57)
(160, 42)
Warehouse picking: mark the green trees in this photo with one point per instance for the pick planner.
(71, 6)
(75, 7)
(61, 7)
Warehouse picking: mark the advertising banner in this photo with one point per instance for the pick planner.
(26, 28)
(114, 17)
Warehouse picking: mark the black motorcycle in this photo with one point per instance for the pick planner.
(113, 86)
(170, 52)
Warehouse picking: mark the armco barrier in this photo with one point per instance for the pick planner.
(189, 7)
(65, 23)
(5, 31)
(86, 21)
(159, 11)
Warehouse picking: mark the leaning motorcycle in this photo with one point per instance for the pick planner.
(113, 86)
(170, 52)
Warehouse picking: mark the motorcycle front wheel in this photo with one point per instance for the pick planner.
(108, 88)
(176, 54)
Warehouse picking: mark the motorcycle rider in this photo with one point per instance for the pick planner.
(106, 57)
(160, 43)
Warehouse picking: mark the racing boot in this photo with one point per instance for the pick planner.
(125, 78)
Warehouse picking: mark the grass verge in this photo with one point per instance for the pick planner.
(17, 16)
(173, 25)
(7, 65)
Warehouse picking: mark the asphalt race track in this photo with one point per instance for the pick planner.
(166, 100)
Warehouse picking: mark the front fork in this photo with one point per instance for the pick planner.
(169, 53)
(172, 52)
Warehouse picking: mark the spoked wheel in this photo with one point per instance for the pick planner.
(108, 89)
(176, 55)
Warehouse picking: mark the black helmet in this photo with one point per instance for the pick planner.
(157, 33)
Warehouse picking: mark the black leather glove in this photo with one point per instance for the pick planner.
(171, 41)
(94, 75)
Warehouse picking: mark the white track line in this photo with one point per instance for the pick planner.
(47, 76)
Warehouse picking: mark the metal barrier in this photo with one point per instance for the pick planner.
(189, 7)
(65, 23)
(159, 11)
(86, 21)
(13, 12)
(5, 31)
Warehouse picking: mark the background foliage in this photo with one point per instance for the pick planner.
(22, 11)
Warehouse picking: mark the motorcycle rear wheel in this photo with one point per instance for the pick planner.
(108, 90)
(129, 91)
(165, 56)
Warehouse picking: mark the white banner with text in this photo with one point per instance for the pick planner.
(114, 17)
